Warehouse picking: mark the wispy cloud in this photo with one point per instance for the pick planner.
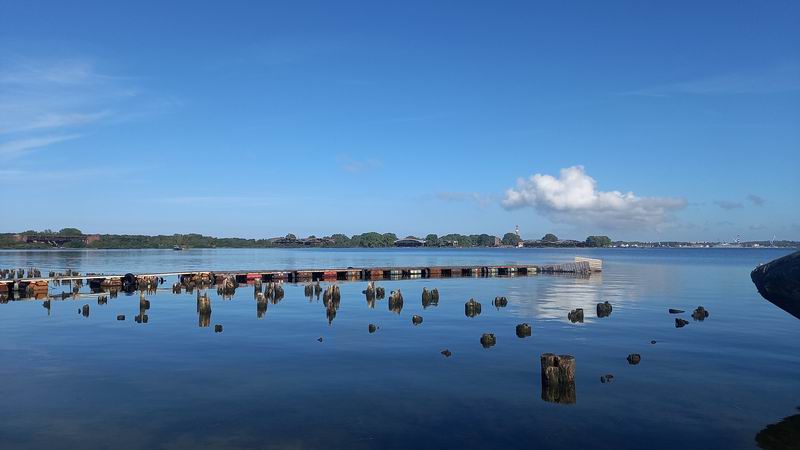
(573, 198)
(779, 79)
(352, 165)
(728, 205)
(219, 200)
(483, 200)
(756, 200)
(19, 147)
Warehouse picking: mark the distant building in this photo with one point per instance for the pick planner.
(410, 241)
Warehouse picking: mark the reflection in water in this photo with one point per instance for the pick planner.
(784, 435)
(558, 378)
(203, 310)
(261, 307)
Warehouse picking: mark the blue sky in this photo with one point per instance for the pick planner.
(640, 120)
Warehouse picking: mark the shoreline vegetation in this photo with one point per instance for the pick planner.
(76, 239)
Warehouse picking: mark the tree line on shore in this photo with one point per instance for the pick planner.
(364, 240)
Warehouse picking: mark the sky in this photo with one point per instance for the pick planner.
(639, 120)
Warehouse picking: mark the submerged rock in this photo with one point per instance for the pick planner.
(634, 359)
(680, 323)
(653, 342)
(320, 339)
(778, 281)
(447, 353)
(523, 330)
(676, 311)
(218, 328)
(699, 313)
(607, 378)
(488, 340)
(576, 315)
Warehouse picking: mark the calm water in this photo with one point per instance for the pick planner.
(75, 382)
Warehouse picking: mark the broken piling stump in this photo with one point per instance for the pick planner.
(472, 308)
(558, 378)
(699, 314)
(576, 315)
(604, 309)
(488, 340)
(500, 302)
(680, 323)
(634, 359)
(523, 330)
(416, 320)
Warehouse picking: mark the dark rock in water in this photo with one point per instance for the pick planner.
(121, 317)
(607, 378)
(488, 340)
(680, 323)
(218, 329)
(604, 309)
(779, 282)
(372, 328)
(700, 313)
(576, 315)
(523, 330)
(472, 308)
(500, 302)
(634, 358)
(447, 353)
(416, 320)
(782, 435)
(676, 311)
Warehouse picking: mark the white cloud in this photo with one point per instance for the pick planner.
(573, 198)
(349, 164)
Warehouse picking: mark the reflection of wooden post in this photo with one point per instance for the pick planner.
(203, 310)
(558, 378)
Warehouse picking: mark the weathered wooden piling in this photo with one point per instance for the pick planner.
(558, 378)
(699, 314)
(576, 315)
(488, 340)
(203, 310)
(523, 330)
(416, 320)
(634, 359)
(472, 308)
(604, 309)
(396, 301)
(500, 302)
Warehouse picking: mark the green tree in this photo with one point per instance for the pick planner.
(511, 239)
(550, 238)
(431, 240)
(291, 237)
(598, 241)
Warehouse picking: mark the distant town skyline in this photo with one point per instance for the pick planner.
(653, 122)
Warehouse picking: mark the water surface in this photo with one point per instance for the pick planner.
(94, 382)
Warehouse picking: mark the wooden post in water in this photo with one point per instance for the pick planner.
(558, 378)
